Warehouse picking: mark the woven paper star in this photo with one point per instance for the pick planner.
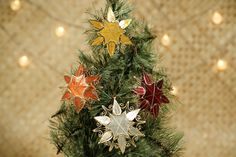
(151, 95)
(111, 32)
(80, 88)
(119, 126)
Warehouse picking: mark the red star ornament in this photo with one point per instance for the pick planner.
(80, 88)
(151, 95)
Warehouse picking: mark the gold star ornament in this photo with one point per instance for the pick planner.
(121, 129)
(111, 32)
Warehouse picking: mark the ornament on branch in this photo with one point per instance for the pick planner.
(80, 88)
(121, 129)
(151, 95)
(111, 32)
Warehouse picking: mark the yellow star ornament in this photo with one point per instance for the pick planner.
(111, 32)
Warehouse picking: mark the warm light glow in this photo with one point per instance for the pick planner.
(165, 40)
(24, 61)
(217, 18)
(205, 135)
(60, 31)
(15, 5)
(174, 90)
(221, 65)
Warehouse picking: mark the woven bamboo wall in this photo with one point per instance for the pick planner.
(30, 95)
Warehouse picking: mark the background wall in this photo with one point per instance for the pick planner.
(193, 36)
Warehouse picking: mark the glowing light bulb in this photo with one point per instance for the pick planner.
(15, 5)
(24, 61)
(221, 65)
(60, 31)
(174, 90)
(165, 40)
(217, 18)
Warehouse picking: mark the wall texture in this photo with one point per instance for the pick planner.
(29, 95)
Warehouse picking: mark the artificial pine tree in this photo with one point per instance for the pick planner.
(115, 103)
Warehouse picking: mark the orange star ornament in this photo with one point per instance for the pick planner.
(111, 32)
(80, 88)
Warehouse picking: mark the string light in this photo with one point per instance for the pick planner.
(60, 31)
(165, 40)
(221, 65)
(15, 5)
(217, 18)
(174, 90)
(24, 61)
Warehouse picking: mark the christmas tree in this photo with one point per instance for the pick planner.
(115, 102)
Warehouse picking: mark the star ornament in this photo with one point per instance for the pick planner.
(151, 95)
(80, 88)
(111, 32)
(119, 127)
